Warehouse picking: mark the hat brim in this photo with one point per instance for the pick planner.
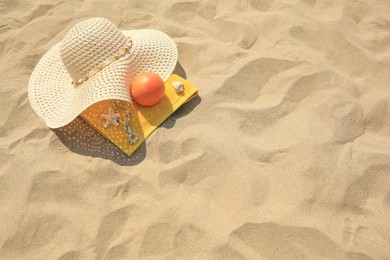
(58, 102)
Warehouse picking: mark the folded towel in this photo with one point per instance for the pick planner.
(143, 120)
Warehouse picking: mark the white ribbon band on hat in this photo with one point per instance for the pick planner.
(88, 57)
(121, 52)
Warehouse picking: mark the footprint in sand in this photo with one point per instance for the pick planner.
(112, 225)
(247, 83)
(386, 204)
(274, 241)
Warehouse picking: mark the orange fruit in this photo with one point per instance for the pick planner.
(147, 88)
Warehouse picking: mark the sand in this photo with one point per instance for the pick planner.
(285, 154)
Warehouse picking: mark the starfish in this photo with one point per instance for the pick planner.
(111, 117)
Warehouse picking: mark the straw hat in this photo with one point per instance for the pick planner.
(93, 63)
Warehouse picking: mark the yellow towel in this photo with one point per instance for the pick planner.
(144, 120)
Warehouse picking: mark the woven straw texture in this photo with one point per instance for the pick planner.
(87, 45)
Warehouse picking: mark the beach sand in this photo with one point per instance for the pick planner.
(285, 154)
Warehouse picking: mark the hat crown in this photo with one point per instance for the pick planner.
(88, 44)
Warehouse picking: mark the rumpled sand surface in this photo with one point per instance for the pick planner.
(286, 155)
